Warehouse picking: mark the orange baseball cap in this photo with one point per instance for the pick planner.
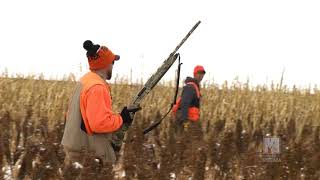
(198, 69)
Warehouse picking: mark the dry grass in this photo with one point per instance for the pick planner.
(234, 120)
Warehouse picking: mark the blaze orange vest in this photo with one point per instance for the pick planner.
(193, 112)
(87, 81)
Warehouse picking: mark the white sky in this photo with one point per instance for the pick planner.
(250, 39)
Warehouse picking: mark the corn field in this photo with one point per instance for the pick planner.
(226, 144)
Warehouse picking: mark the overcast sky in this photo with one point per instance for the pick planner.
(250, 39)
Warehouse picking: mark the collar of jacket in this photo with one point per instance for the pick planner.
(190, 79)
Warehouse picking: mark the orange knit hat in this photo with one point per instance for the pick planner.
(99, 57)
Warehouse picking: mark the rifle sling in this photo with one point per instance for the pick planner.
(157, 123)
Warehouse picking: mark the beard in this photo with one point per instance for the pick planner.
(109, 75)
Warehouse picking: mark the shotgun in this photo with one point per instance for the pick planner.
(121, 135)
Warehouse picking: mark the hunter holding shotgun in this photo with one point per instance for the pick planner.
(187, 108)
(90, 120)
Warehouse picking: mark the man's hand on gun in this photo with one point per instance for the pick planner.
(127, 115)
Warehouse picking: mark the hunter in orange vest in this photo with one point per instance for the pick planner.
(187, 106)
(90, 120)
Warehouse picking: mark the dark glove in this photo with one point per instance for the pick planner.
(116, 147)
(125, 114)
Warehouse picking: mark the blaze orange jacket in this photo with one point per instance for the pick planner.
(96, 105)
